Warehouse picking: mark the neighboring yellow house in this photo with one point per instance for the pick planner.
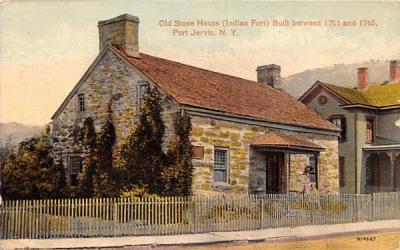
(369, 117)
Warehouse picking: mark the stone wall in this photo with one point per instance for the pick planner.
(112, 82)
(299, 181)
(247, 165)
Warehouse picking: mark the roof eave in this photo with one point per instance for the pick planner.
(288, 147)
(358, 105)
(324, 86)
(189, 107)
(303, 96)
(382, 147)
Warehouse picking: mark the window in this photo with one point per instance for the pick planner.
(142, 89)
(81, 99)
(341, 171)
(220, 165)
(313, 173)
(322, 100)
(370, 130)
(340, 122)
(75, 167)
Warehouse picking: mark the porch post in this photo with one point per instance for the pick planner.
(378, 173)
(393, 155)
(287, 171)
(364, 177)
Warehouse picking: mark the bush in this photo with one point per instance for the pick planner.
(30, 172)
(142, 156)
(103, 181)
(89, 138)
(178, 176)
(325, 205)
(98, 176)
(137, 192)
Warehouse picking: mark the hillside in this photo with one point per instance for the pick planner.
(339, 74)
(16, 132)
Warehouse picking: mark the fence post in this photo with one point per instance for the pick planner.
(354, 216)
(313, 205)
(373, 206)
(115, 216)
(193, 214)
(358, 208)
(262, 212)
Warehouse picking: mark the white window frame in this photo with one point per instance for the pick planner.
(81, 102)
(140, 93)
(340, 121)
(70, 167)
(370, 120)
(227, 165)
(316, 158)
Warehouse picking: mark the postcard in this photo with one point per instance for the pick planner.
(200, 124)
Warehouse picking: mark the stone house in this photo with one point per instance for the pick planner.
(369, 118)
(248, 136)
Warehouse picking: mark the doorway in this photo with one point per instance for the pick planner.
(274, 172)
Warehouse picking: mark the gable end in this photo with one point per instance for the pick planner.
(78, 85)
(312, 92)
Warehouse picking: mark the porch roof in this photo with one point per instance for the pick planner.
(382, 144)
(278, 140)
(381, 147)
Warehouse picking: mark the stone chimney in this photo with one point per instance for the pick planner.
(269, 74)
(394, 74)
(362, 78)
(122, 31)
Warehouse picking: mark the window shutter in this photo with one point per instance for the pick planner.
(344, 129)
(342, 171)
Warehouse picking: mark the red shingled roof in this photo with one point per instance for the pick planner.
(211, 90)
(275, 139)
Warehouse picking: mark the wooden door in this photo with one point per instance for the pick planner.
(274, 167)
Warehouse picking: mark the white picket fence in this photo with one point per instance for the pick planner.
(63, 218)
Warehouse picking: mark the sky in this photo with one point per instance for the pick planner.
(47, 45)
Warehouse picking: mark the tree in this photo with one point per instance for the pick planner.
(104, 185)
(180, 172)
(60, 180)
(89, 138)
(6, 150)
(30, 173)
(142, 156)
